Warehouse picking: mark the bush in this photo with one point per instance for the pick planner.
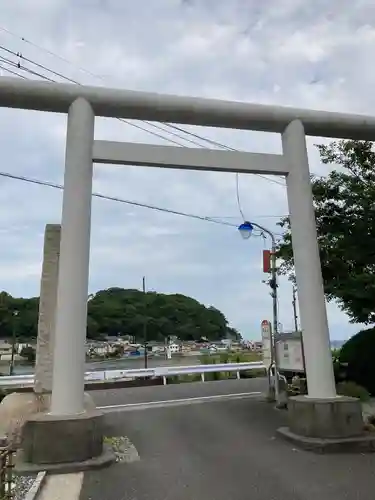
(28, 353)
(353, 390)
(224, 357)
(253, 373)
(182, 379)
(358, 357)
(206, 359)
(336, 355)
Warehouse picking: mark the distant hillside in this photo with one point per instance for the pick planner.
(127, 312)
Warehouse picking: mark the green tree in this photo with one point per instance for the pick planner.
(344, 203)
(119, 311)
(233, 333)
(357, 358)
(28, 353)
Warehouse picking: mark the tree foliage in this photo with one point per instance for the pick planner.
(344, 203)
(126, 312)
(25, 322)
(357, 355)
(28, 353)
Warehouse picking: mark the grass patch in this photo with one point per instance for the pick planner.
(230, 357)
(123, 448)
(221, 358)
(353, 390)
(184, 379)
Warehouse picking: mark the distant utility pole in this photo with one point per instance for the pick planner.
(145, 326)
(14, 339)
(294, 303)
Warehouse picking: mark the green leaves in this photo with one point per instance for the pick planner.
(344, 203)
(123, 311)
(117, 310)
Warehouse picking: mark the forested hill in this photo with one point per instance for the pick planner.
(124, 311)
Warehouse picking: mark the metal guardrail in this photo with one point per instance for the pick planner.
(20, 381)
(166, 371)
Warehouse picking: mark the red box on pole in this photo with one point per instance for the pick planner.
(267, 261)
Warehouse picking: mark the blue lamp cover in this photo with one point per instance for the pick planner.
(246, 227)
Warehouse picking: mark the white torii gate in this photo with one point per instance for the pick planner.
(83, 103)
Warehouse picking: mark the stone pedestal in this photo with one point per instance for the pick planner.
(340, 417)
(63, 443)
(18, 407)
(327, 425)
(47, 439)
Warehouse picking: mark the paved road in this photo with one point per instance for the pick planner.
(177, 391)
(219, 451)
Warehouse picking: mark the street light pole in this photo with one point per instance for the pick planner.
(246, 231)
(14, 335)
(294, 302)
(144, 325)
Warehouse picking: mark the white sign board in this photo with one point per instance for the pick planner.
(266, 342)
(289, 354)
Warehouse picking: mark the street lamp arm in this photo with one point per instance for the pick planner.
(265, 230)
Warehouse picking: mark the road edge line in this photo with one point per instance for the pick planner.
(178, 402)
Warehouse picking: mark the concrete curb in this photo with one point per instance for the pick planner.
(61, 487)
(36, 487)
(360, 444)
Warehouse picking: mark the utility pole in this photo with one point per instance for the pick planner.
(246, 230)
(294, 303)
(145, 325)
(274, 286)
(14, 338)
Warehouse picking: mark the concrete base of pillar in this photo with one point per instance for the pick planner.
(23, 468)
(63, 443)
(17, 407)
(327, 425)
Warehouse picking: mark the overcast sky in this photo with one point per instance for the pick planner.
(289, 52)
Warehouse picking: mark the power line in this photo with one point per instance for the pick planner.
(39, 47)
(12, 72)
(136, 125)
(21, 56)
(238, 197)
(19, 66)
(8, 61)
(127, 202)
(157, 126)
(169, 125)
(128, 122)
(261, 216)
(173, 133)
(120, 200)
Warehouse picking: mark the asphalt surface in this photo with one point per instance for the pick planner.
(219, 451)
(176, 391)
